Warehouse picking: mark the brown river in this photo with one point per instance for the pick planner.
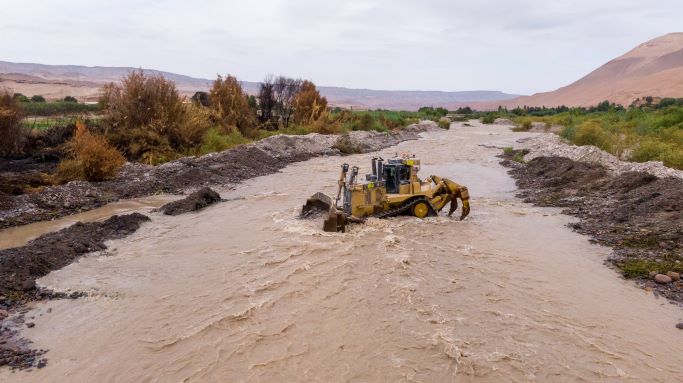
(243, 291)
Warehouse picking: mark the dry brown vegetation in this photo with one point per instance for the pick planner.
(13, 135)
(145, 117)
(231, 105)
(309, 106)
(90, 157)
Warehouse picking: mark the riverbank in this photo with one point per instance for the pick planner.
(634, 208)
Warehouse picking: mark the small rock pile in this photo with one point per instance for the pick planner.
(193, 202)
(663, 279)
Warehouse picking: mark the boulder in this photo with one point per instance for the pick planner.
(29, 284)
(662, 279)
(674, 275)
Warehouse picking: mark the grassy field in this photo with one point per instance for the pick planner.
(44, 123)
(58, 108)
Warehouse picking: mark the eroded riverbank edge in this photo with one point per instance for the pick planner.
(633, 208)
(224, 168)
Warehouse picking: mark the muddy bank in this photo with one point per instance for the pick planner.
(225, 168)
(636, 213)
(21, 266)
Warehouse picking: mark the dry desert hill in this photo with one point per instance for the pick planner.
(84, 83)
(654, 68)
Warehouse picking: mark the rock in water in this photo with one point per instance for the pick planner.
(674, 275)
(29, 284)
(663, 279)
(193, 202)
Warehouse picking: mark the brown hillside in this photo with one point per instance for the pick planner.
(57, 81)
(654, 68)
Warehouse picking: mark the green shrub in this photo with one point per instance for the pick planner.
(444, 123)
(641, 268)
(648, 150)
(488, 118)
(591, 133)
(215, 141)
(523, 125)
(37, 98)
(656, 150)
(519, 157)
(366, 122)
(20, 97)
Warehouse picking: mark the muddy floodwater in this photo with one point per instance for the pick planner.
(243, 291)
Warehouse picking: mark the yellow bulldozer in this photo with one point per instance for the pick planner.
(392, 189)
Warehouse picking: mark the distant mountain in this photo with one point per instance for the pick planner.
(57, 81)
(407, 99)
(654, 68)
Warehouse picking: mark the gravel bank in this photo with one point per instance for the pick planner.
(546, 145)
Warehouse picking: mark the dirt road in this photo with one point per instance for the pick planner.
(244, 291)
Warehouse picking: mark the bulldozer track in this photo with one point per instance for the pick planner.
(403, 208)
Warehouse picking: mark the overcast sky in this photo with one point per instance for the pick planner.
(520, 46)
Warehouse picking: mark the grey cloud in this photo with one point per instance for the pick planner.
(522, 46)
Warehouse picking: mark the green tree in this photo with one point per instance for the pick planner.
(20, 97)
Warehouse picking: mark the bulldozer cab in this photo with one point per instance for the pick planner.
(395, 175)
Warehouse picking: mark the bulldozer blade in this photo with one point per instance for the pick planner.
(465, 209)
(335, 221)
(316, 204)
